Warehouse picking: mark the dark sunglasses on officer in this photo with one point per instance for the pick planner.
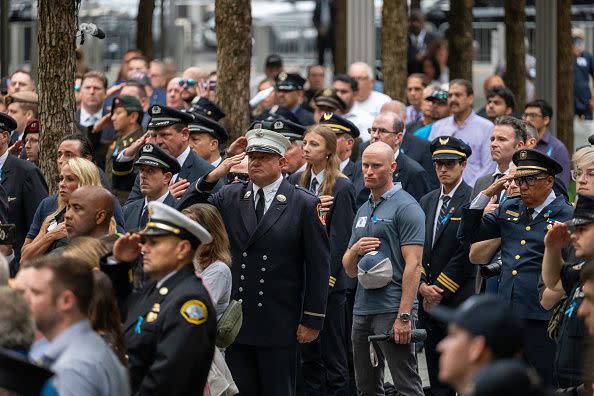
(530, 180)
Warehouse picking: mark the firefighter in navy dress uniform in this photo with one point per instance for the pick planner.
(281, 263)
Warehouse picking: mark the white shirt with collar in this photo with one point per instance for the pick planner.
(269, 192)
(217, 162)
(343, 164)
(3, 159)
(439, 203)
(163, 279)
(160, 199)
(319, 177)
(180, 160)
(500, 172)
(86, 117)
(550, 198)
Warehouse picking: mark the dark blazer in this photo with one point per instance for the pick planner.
(349, 170)
(339, 221)
(194, 167)
(413, 66)
(281, 266)
(101, 141)
(25, 189)
(409, 173)
(3, 206)
(160, 330)
(420, 150)
(133, 211)
(445, 261)
(522, 248)
(305, 116)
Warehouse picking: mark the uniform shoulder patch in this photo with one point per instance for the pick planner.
(194, 312)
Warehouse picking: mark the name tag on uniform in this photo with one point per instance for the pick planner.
(361, 221)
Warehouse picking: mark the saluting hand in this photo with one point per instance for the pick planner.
(133, 149)
(238, 146)
(224, 167)
(127, 248)
(497, 186)
(102, 123)
(557, 237)
(306, 334)
(491, 206)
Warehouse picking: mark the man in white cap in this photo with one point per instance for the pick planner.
(170, 326)
(280, 265)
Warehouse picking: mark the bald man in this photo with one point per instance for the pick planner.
(89, 212)
(392, 224)
(191, 77)
(416, 148)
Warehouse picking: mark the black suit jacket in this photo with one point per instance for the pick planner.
(445, 260)
(194, 167)
(133, 211)
(161, 329)
(101, 141)
(305, 117)
(339, 221)
(420, 150)
(349, 170)
(25, 188)
(409, 173)
(413, 66)
(281, 265)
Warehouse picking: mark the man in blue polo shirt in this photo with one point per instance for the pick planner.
(385, 254)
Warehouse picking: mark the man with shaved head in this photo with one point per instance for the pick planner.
(387, 236)
(89, 212)
(191, 77)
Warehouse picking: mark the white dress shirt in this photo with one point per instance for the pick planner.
(88, 119)
(439, 203)
(320, 178)
(269, 192)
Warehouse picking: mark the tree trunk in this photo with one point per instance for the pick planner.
(144, 28)
(233, 24)
(565, 107)
(459, 37)
(394, 48)
(414, 5)
(515, 50)
(56, 40)
(340, 49)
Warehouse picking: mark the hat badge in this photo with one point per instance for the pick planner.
(444, 141)
(259, 133)
(327, 116)
(34, 124)
(151, 212)
(156, 109)
(327, 92)
(147, 148)
(523, 154)
(278, 125)
(282, 76)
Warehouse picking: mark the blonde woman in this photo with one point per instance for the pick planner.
(75, 172)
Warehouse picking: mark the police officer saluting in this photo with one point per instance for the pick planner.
(170, 327)
(522, 223)
(281, 263)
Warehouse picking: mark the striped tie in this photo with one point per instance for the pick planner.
(442, 212)
(313, 187)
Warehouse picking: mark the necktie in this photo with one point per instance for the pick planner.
(530, 212)
(313, 187)
(260, 205)
(143, 218)
(501, 194)
(91, 120)
(442, 212)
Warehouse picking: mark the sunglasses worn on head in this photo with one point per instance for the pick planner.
(530, 180)
(189, 81)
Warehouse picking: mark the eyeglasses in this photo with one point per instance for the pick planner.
(379, 130)
(577, 173)
(360, 78)
(530, 180)
(447, 163)
(189, 81)
(531, 115)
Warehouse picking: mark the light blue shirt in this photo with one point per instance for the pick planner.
(476, 132)
(84, 364)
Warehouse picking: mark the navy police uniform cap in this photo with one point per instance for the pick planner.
(328, 98)
(203, 124)
(162, 117)
(289, 82)
(7, 123)
(449, 147)
(531, 162)
(287, 128)
(339, 124)
(153, 155)
(583, 212)
(207, 108)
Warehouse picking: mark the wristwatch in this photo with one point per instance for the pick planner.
(404, 317)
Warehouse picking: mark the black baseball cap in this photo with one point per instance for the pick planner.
(19, 375)
(489, 317)
(508, 377)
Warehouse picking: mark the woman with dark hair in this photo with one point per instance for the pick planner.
(105, 315)
(323, 178)
(212, 259)
(430, 68)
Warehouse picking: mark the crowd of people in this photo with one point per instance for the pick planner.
(173, 260)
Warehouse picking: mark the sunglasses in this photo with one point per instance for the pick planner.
(189, 81)
(77, 87)
(236, 176)
(530, 180)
